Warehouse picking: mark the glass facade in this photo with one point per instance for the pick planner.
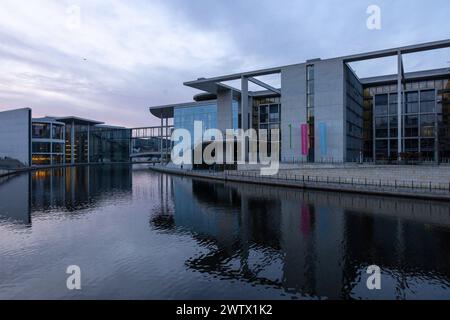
(354, 117)
(47, 146)
(109, 145)
(310, 110)
(425, 121)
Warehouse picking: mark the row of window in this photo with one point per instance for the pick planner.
(387, 104)
(47, 147)
(416, 85)
(387, 127)
(42, 131)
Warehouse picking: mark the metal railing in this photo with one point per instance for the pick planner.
(349, 182)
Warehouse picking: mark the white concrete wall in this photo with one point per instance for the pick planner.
(293, 111)
(224, 110)
(15, 139)
(329, 108)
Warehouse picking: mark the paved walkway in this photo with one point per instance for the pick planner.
(362, 184)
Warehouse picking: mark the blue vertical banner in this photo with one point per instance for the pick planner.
(323, 138)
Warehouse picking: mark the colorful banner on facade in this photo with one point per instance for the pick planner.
(305, 139)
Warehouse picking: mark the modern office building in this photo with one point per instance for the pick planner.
(61, 140)
(325, 112)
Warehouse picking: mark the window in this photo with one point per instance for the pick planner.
(58, 147)
(412, 97)
(393, 126)
(427, 145)
(411, 145)
(381, 126)
(427, 106)
(412, 107)
(411, 126)
(58, 131)
(41, 147)
(427, 124)
(41, 130)
(428, 95)
(393, 104)
(381, 99)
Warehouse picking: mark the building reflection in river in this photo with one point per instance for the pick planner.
(71, 189)
(309, 244)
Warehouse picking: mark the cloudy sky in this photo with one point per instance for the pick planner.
(111, 60)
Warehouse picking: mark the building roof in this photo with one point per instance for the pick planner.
(77, 120)
(419, 75)
(46, 120)
(215, 84)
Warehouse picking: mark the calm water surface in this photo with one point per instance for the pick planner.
(144, 235)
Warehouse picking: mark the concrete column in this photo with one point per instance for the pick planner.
(51, 143)
(399, 105)
(72, 143)
(161, 137)
(64, 146)
(244, 103)
(88, 144)
(166, 134)
(244, 114)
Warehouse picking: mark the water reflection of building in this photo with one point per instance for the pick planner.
(69, 189)
(314, 244)
(15, 195)
(76, 187)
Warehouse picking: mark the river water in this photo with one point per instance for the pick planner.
(137, 234)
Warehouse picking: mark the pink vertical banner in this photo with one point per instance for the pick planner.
(305, 142)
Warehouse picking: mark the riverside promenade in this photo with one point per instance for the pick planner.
(420, 182)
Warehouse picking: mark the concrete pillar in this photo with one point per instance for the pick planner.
(88, 144)
(161, 138)
(51, 143)
(72, 143)
(244, 114)
(224, 110)
(399, 105)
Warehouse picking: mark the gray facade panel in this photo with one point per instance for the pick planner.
(224, 110)
(15, 133)
(330, 109)
(293, 112)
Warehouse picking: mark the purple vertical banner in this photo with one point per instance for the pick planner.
(305, 142)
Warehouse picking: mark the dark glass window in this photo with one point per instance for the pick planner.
(393, 125)
(412, 107)
(381, 149)
(427, 124)
(58, 132)
(381, 99)
(58, 148)
(41, 147)
(411, 145)
(263, 114)
(412, 96)
(428, 106)
(310, 72)
(428, 95)
(393, 146)
(426, 144)
(381, 126)
(41, 130)
(381, 110)
(411, 126)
